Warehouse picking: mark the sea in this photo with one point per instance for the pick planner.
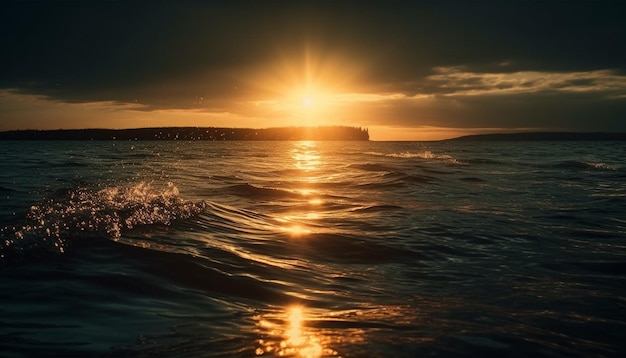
(312, 249)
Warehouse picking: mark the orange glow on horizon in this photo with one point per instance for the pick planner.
(305, 88)
(29, 110)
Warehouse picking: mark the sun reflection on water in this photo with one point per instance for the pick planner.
(296, 340)
(316, 201)
(306, 156)
(296, 230)
(306, 159)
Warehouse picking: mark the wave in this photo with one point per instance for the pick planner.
(377, 208)
(137, 215)
(600, 166)
(472, 180)
(207, 275)
(70, 165)
(396, 178)
(485, 161)
(370, 167)
(344, 248)
(252, 191)
(581, 165)
(606, 267)
(51, 226)
(421, 155)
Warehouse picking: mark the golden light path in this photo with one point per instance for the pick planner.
(296, 330)
(286, 333)
(308, 164)
(296, 340)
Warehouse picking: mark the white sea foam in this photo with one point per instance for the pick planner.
(53, 224)
(600, 166)
(427, 154)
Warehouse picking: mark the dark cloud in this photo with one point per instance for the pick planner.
(191, 54)
(90, 50)
(585, 112)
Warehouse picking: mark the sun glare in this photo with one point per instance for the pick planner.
(307, 101)
(296, 231)
(305, 88)
(296, 339)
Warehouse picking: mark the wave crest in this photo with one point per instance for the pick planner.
(51, 226)
(581, 165)
(427, 154)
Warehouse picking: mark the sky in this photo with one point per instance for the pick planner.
(406, 70)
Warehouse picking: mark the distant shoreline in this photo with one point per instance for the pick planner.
(330, 133)
(543, 136)
(322, 133)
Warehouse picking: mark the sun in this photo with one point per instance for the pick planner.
(304, 87)
(312, 98)
(308, 102)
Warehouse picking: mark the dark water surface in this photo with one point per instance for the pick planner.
(312, 249)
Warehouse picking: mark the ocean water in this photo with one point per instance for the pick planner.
(312, 249)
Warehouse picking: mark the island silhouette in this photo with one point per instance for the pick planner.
(321, 133)
(330, 133)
